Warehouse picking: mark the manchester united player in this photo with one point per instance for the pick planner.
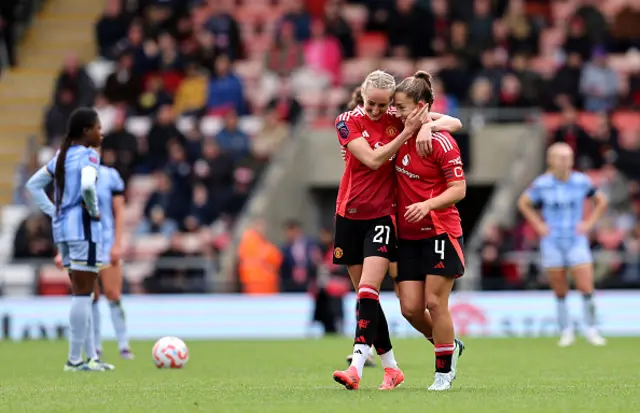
(430, 254)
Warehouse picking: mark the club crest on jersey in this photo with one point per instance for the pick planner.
(406, 159)
(392, 131)
(338, 253)
(93, 159)
(343, 129)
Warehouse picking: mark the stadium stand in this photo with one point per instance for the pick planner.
(196, 97)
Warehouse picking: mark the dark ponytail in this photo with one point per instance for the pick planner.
(81, 119)
(418, 87)
(356, 99)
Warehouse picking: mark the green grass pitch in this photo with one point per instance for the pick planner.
(495, 375)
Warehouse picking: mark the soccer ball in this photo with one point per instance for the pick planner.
(170, 353)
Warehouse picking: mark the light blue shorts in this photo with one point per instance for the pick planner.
(81, 255)
(565, 253)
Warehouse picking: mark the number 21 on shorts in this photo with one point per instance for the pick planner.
(439, 248)
(382, 234)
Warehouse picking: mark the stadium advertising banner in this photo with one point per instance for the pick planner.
(504, 314)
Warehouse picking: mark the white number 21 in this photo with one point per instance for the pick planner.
(380, 234)
(439, 248)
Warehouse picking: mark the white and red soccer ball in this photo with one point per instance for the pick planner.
(170, 353)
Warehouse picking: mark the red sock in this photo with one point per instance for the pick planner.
(444, 353)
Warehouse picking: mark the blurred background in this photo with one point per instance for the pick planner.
(218, 114)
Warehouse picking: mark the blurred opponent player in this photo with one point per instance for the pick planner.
(563, 229)
(111, 203)
(77, 230)
(430, 255)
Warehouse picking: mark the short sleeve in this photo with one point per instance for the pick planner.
(447, 155)
(91, 158)
(51, 165)
(117, 184)
(534, 192)
(347, 128)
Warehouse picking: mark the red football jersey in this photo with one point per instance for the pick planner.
(420, 179)
(365, 193)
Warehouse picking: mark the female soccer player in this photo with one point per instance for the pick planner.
(111, 204)
(430, 254)
(365, 235)
(563, 230)
(76, 222)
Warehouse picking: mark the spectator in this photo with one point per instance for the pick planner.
(164, 198)
(599, 83)
(296, 15)
(34, 238)
(192, 92)
(157, 223)
(481, 26)
(74, 77)
(153, 97)
(337, 26)
(201, 211)
(595, 22)
(577, 40)
(58, 115)
(570, 132)
(163, 131)
(565, 86)
(169, 57)
(7, 30)
(123, 85)
(258, 261)
(132, 44)
(301, 258)
(288, 108)
(510, 95)
(215, 170)
(225, 30)
(530, 81)
(287, 54)
(242, 180)
(111, 27)
(225, 89)
(410, 30)
(322, 53)
(523, 35)
(124, 146)
(231, 139)
(441, 23)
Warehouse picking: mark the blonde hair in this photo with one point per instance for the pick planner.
(378, 79)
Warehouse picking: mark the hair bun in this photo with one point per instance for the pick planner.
(421, 74)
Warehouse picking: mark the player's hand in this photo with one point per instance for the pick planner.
(423, 141)
(57, 260)
(417, 212)
(584, 228)
(542, 229)
(115, 254)
(414, 122)
(343, 153)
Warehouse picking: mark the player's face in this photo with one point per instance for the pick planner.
(561, 160)
(404, 105)
(376, 102)
(95, 134)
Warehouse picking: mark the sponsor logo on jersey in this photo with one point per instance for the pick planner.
(406, 159)
(405, 172)
(456, 161)
(343, 129)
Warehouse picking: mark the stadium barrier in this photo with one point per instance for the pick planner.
(477, 314)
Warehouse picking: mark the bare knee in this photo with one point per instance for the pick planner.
(412, 312)
(435, 304)
(112, 295)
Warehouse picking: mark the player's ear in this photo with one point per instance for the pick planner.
(421, 104)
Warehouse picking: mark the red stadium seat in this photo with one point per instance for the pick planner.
(626, 121)
(371, 45)
(551, 121)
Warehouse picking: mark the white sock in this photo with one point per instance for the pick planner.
(89, 343)
(372, 352)
(360, 353)
(389, 360)
(78, 323)
(97, 337)
(117, 318)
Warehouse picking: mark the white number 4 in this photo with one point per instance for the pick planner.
(380, 237)
(439, 248)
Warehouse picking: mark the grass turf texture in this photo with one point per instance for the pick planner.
(494, 375)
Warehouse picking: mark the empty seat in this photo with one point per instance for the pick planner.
(372, 45)
(53, 281)
(99, 70)
(138, 125)
(18, 279)
(211, 125)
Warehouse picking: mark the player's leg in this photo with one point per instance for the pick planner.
(111, 279)
(80, 257)
(581, 263)
(355, 272)
(553, 261)
(92, 341)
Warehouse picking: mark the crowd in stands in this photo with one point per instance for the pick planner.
(222, 82)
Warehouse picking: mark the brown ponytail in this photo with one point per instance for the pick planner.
(418, 87)
(356, 99)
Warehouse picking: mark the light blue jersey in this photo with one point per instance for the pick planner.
(110, 184)
(562, 204)
(72, 222)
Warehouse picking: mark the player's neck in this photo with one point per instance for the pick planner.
(562, 176)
